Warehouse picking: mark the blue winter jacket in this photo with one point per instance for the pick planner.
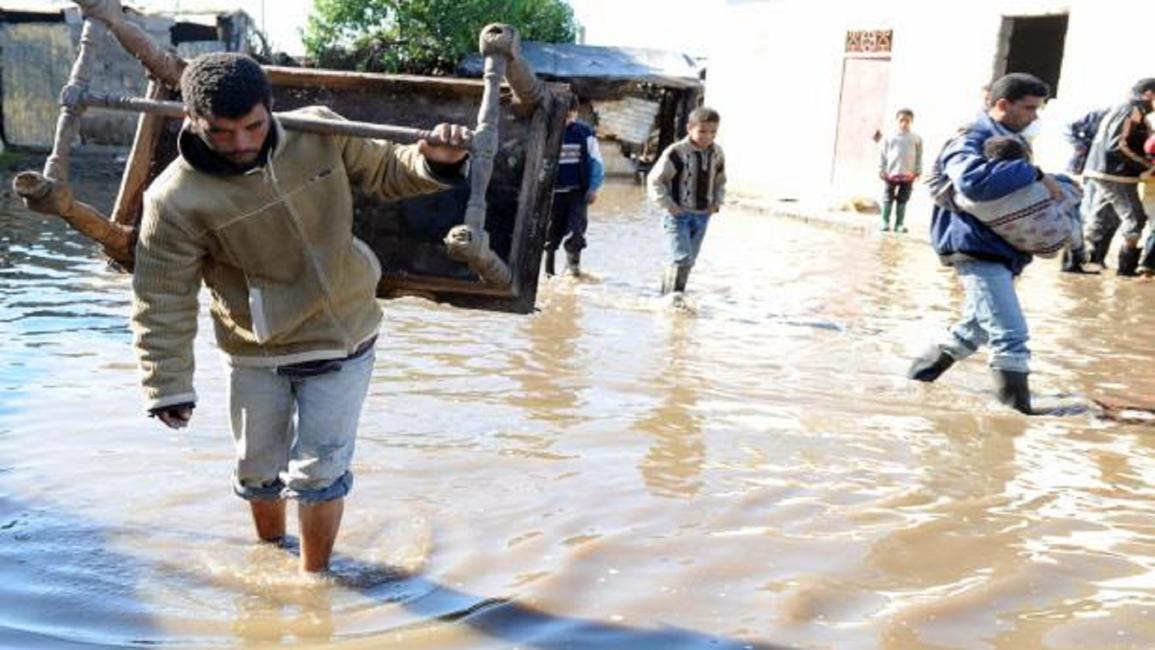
(957, 235)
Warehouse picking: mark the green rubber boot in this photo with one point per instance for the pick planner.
(899, 217)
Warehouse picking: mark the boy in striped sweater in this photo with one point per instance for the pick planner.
(689, 182)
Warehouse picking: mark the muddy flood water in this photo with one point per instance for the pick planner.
(607, 473)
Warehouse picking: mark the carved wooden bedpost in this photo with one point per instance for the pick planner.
(469, 242)
(49, 192)
(160, 63)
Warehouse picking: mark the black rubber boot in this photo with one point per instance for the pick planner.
(573, 263)
(681, 276)
(1096, 252)
(1013, 390)
(1128, 261)
(1147, 262)
(930, 364)
(549, 263)
(1072, 261)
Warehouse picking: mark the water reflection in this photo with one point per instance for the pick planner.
(551, 371)
(673, 465)
(64, 581)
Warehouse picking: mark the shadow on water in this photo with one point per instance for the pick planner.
(429, 608)
(63, 584)
(66, 588)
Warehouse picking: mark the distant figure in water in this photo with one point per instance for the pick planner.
(689, 182)
(580, 173)
(264, 217)
(899, 166)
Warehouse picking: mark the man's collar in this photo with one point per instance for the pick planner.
(197, 152)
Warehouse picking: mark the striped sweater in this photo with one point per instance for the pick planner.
(687, 177)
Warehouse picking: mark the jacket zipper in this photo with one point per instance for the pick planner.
(298, 230)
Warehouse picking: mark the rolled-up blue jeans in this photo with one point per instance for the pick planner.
(685, 233)
(992, 316)
(295, 434)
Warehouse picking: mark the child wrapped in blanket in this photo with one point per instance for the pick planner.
(1029, 219)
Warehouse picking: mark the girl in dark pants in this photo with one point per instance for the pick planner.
(899, 166)
(895, 192)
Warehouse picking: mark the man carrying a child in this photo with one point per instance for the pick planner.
(985, 262)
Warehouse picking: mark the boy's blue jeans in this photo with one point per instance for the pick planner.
(685, 233)
(992, 315)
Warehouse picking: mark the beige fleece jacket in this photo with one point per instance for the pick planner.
(275, 247)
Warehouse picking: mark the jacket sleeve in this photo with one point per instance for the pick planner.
(720, 180)
(918, 156)
(658, 182)
(1081, 132)
(596, 168)
(980, 179)
(384, 169)
(1125, 137)
(1073, 133)
(165, 282)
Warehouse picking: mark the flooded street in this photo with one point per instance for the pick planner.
(607, 473)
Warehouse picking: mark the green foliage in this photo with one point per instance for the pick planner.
(422, 36)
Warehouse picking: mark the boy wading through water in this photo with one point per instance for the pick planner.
(689, 182)
(580, 173)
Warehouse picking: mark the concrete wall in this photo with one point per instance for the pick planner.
(34, 67)
(775, 74)
(35, 61)
(35, 64)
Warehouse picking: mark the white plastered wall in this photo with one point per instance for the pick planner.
(775, 75)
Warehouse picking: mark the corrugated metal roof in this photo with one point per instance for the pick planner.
(571, 61)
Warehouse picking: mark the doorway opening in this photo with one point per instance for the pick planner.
(1034, 44)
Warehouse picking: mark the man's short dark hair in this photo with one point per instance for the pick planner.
(224, 84)
(575, 102)
(1017, 85)
(704, 115)
(1005, 148)
(904, 111)
(1143, 86)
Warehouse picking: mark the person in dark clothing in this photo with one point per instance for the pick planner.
(1114, 165)
(985, 263)
(1080, 134)
(580, 173)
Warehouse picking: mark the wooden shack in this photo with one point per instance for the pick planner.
(637, 97)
